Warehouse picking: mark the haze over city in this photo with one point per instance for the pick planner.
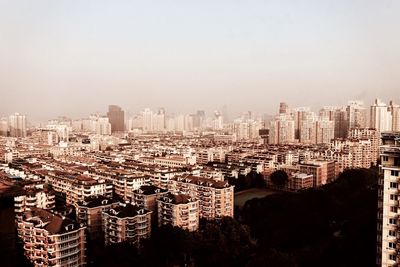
(74, 58)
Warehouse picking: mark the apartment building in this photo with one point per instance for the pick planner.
(77, 187)
(89, 212)
(146, 198)
(51, 240)
(323, 171)
(388, 201)
(34, 197)
(300, 181)
(215, 198)
(126, 223)
(178, 210)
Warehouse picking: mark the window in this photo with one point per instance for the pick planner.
(392, 245)
(393, 185)
(393, 197)
(392, 257)
(385, 158)
(392, 221)
(393, 209)
(392, 233)
(394, 173)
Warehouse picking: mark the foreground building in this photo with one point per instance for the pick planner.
(51, 240)
(126, 223)
(89, 212)
(178, 210)
(388, 201)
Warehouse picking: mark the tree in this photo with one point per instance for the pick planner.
(279, 178)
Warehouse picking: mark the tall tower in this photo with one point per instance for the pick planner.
(283, 108)
(356, 115)
(395, 111)
(116, 117)
(17, 124)
(381, 118)
(388, 201)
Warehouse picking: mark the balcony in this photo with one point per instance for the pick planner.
(19, 204)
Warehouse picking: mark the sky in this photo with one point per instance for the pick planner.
(75, 58)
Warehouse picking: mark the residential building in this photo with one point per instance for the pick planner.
(116, 117)
(89, 212)
(52, 240)
(34, 197)
(388, 201)
(126, 223)
(215, 197)
(178, 210)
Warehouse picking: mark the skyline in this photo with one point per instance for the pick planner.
(60, 56)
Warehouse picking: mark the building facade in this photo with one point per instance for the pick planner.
(388, 201)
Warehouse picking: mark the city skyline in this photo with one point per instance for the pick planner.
(56, 57)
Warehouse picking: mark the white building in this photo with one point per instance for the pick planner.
(381, 117)
(388, 201)
(17, 125)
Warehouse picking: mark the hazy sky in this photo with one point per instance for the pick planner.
(76, 57)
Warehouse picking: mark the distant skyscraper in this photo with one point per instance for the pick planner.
(283, 108)
(147, 116)
(300, 115)
(356, 115)
(381, 117)
(282, 130)
(103, 126)
(395, 111)
(159, 120)
(198, 119)
(339, 116)
(218, 122)
(3, 127)
(117, 118)
(225, 114)
(17, 125)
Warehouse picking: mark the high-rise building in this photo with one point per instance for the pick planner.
(282, 130)
(117, 118)
(356, 115)
(147, 116)
(339, 116)
(17, 125)
(395, 111)
(103, 126)
(381, 117)
(159, 121)
(300, 115)
(283, 108)
(3, 127)
(218, 121)
(388, 201)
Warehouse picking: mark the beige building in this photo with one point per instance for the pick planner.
(388, 201)
(178, 210)
(89, 212)
(51, 240)
(77, 187)
(146, 198)
(34, 197)
(126, 223)
(323, 171)
(215, 198)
